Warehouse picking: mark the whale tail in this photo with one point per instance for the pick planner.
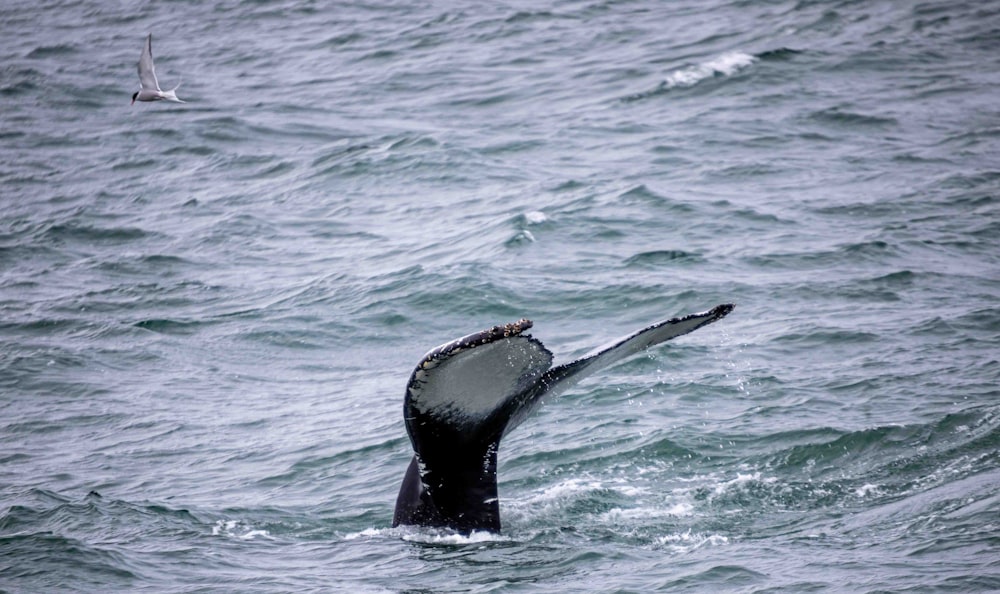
(464, 396)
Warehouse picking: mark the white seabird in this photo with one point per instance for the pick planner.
(149, 88)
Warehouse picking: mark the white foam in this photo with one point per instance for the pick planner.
(239, 530)
(427, 535)
(742, 479)
(452, 538)
(535, 217)
(367, 533)
(680, 509)
(726, 64)
(566, 489)
(629, 490)
(687, 541)
(554, 497)
(866, 490)
(644, 514)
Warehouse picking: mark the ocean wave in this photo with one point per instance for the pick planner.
(210, 310)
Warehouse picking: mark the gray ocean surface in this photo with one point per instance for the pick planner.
(209, 311)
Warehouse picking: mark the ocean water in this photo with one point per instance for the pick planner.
(209, 310)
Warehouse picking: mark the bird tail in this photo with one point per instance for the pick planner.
(171, 95)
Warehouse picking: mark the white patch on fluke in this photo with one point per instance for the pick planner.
(472, 382)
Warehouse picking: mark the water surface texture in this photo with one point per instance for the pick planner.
(209, 311)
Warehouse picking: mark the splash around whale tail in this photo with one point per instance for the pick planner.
(464, 396)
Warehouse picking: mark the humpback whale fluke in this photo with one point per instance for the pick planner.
(464, 396)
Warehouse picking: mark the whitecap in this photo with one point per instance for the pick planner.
(867, 489)
(741, 480)
(535, 217)
(687, 541)
(726, 64)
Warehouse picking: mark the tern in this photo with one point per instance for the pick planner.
(149, 88)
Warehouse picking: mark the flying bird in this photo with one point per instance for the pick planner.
(150, 89)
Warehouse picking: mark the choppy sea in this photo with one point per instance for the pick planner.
(209, 310)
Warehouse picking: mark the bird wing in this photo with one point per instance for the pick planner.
(147, 76)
